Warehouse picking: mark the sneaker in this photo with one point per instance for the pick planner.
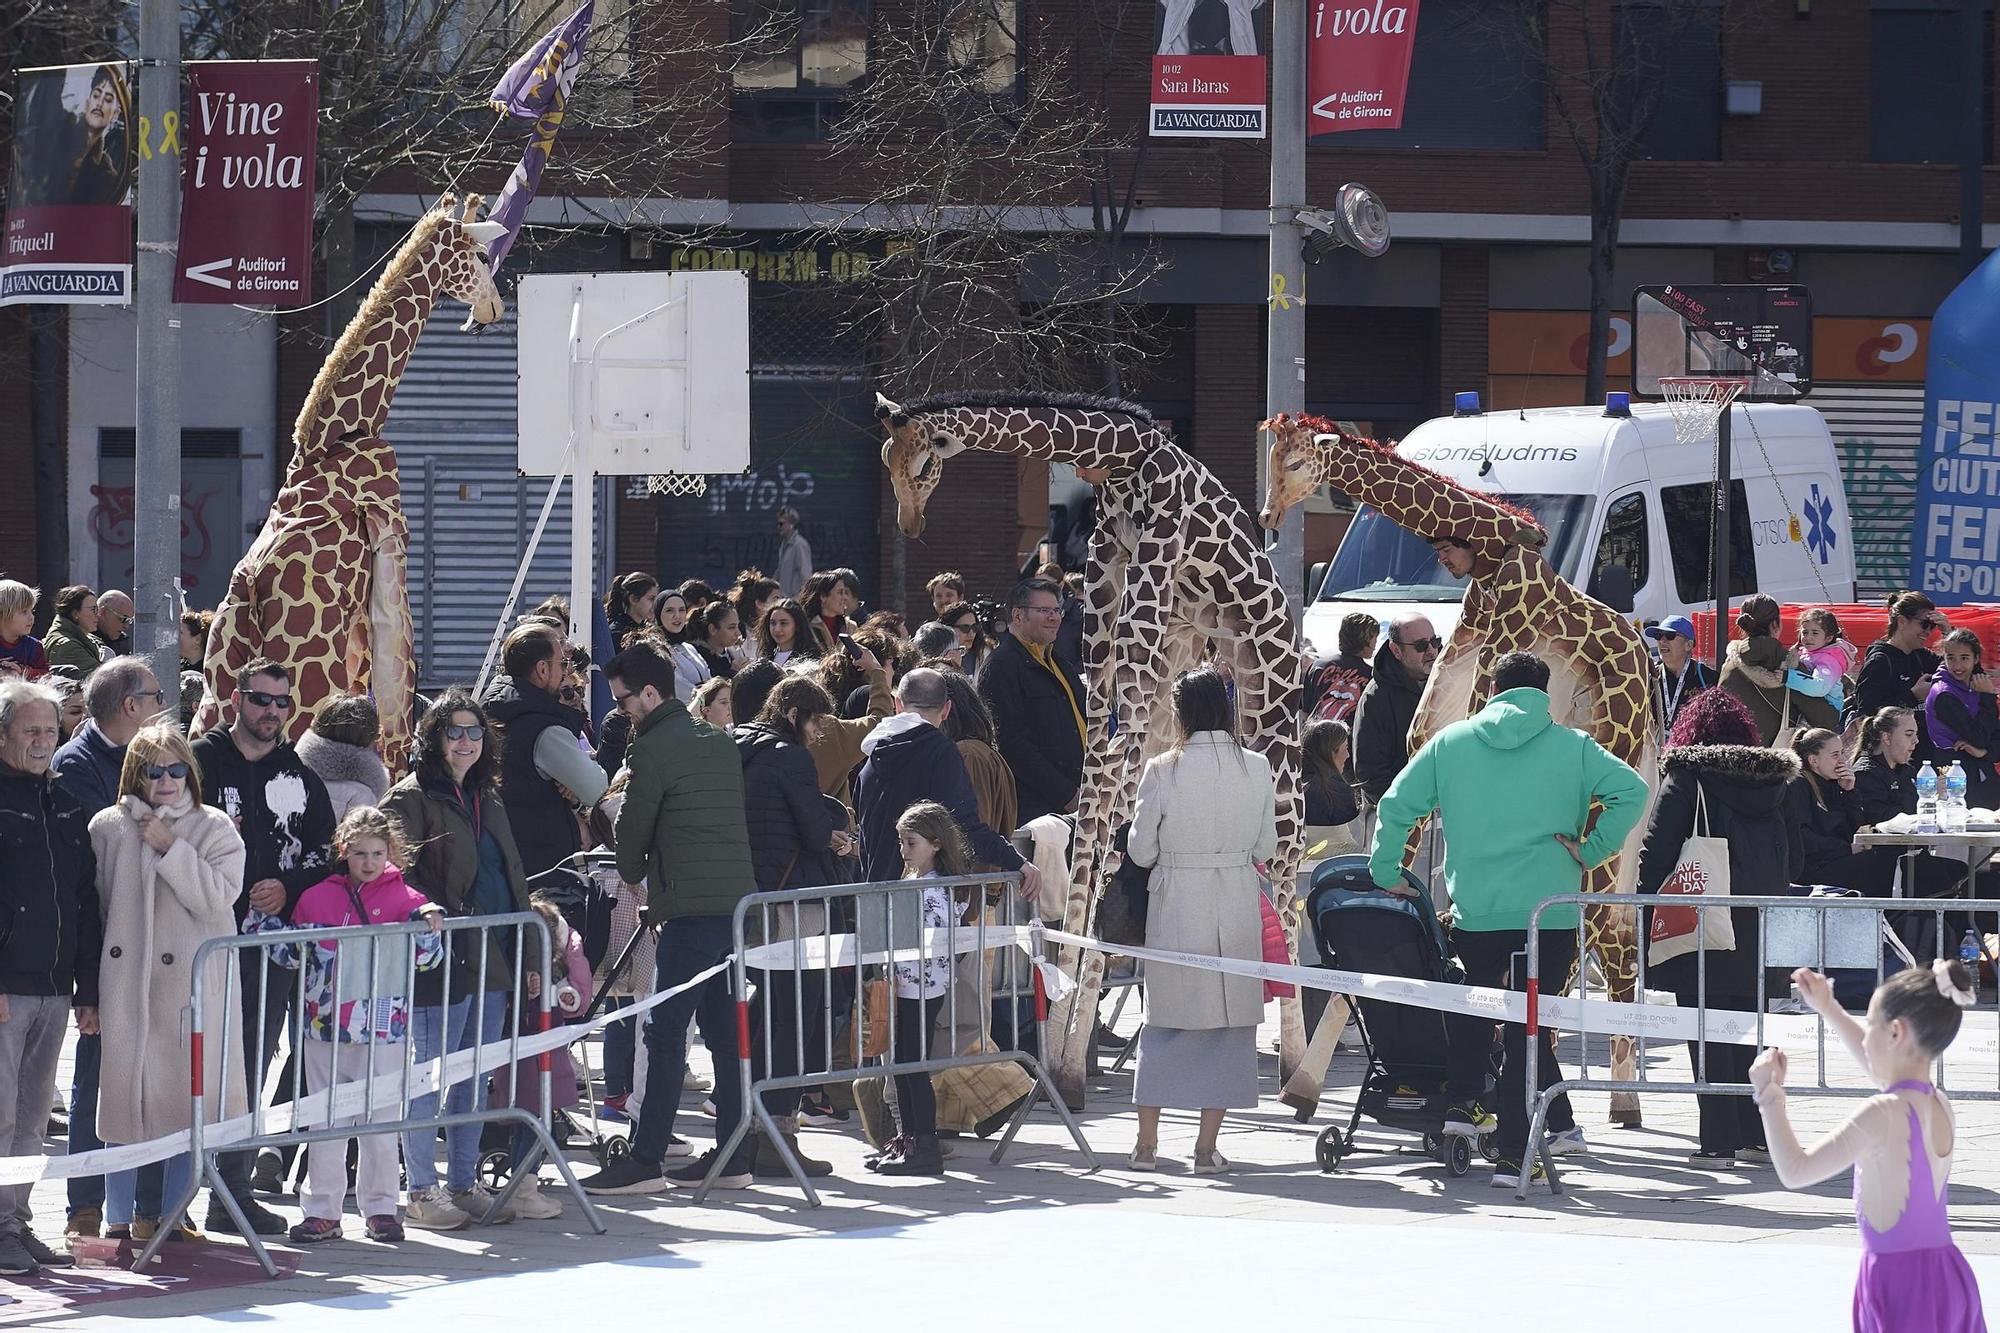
(625, 1175)
(84, 1222)
(262, 1220)
(766, 1161)
(15, 1260)
(144, 1228)
(735, 1176)
(385, 1228)
(1567, 1141)
(921, 1157)
(477, 1204)
(1753, 1157)
(819, 1113)
(1713, 1160)
(268, 1176)
(693, 1082)
(41, 1253)
(1468, 1120)
(678, 1146)
(531, 1203)
(431, 1209)
(1507, 1174)
(612, 1110)
(314, 1230)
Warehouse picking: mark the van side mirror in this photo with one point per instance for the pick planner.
(1612, 585)
(1315, 577)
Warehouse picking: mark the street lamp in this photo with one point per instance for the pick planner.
(1358, 221)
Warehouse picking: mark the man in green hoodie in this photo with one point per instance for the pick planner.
(1516, 791)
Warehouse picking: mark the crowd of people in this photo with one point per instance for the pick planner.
(762, 738)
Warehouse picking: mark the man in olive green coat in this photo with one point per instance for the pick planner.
(681, 830)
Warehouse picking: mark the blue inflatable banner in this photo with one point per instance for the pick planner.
(1955, 551)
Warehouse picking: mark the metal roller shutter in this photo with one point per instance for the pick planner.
(1876, 429)
(470, 515)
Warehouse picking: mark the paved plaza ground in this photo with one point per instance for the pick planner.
(1389, 1241)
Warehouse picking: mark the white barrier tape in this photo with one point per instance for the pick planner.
(1595, 1017)
(349, 1099)
(818, 953)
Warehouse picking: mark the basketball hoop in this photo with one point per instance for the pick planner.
(676, 483)
(1696, 402)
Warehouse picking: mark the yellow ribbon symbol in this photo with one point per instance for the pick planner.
(1278, 297)
(1794, 530)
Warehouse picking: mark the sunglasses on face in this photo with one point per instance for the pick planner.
(154, 772)
(471, 733)
(1430, 645)
(1666, 636)
(263, 700)
(569, 694)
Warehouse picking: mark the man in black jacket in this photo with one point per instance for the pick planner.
(909, 760)
(1389, 704)
(251, 773)
(544, 770)
(1037, 703)
(49, 945)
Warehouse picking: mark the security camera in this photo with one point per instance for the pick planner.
(1358, 220)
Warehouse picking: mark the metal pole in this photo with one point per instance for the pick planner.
(156, 464)
(1720, 555)
(1285, 307)
(1972, 130)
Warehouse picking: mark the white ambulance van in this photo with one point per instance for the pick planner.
(1627, 508)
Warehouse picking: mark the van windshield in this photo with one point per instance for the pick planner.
(1381, 561)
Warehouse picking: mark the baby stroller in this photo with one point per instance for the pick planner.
(1361, 928)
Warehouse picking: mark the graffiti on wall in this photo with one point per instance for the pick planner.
(113, 519)
(1880, 478)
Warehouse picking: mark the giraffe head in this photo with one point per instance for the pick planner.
(1294, 465)
(914, 453)
(464, 272)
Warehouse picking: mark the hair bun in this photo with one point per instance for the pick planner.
(1954, 982)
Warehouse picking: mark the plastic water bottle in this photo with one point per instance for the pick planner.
(1968, 954)
(1954, 798)
(1927, 799)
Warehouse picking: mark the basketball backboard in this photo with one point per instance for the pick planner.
(651, 370)
(1761, 334)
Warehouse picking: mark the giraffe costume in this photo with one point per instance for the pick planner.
(1174, 568)
(1600, 673)
(322, 590)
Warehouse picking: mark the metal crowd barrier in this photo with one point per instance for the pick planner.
(807, 972)
(1801, 926)
(306, 1114)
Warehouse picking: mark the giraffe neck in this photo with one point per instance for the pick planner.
(1083, 439)
(372, 363)
(1413, 496)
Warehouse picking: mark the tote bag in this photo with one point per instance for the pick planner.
(1703, 870)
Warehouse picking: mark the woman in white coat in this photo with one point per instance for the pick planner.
(1207, 810)
(168, 872)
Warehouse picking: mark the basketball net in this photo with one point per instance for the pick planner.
(1696, 402)
(676, 483)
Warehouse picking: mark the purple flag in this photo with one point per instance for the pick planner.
(536, 88)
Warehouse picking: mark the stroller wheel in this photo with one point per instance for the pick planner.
(1434, 1145)
(492, 1170)
(1329, 1148)
(616, 1146)
(1457, 1157)
(1487, 1150)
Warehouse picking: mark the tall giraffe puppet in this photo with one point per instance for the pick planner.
(1600, 674)
(1174, 567)
(322, 590)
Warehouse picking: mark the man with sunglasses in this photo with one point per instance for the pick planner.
(1679, 677)
(122, 697)
(251, 773)
(1389, 703)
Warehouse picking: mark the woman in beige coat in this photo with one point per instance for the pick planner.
(1207, 810)
(168, 872)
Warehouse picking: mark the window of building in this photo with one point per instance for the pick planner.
(1915, 91)
(1627, 541)
(1670, 60)
(801, 59)
(983, 45)
(1473, 84)
(1690, 517)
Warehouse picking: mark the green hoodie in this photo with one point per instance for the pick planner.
(1508, 780)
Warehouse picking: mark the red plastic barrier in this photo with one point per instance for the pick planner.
(1860, 624)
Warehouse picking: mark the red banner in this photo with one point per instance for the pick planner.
(1208, 97)
(251, 129)
(1358, 64)
(67, 239)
